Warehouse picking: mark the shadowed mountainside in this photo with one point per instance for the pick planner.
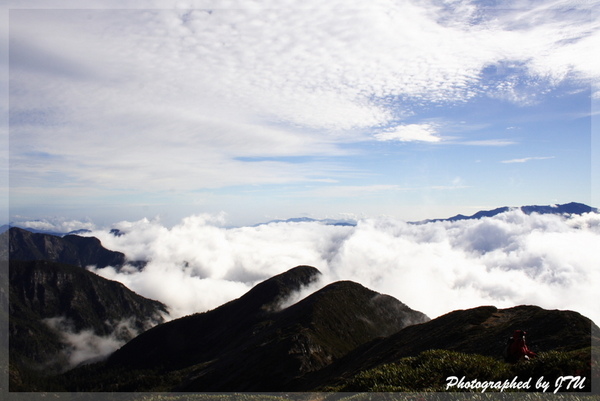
(80, 300)
(250, 345)
(70, 249)
(322, 342)
(483, 331)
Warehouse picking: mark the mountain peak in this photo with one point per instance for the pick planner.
(275, 289)
(250, 345)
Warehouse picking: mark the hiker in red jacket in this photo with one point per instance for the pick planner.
(516, 349)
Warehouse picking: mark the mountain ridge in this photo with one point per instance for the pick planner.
(482, 330)
(235, 314)
(318, 343)
(275, 345)
(21, 244)
(566, 208)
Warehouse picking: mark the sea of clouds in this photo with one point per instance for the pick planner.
(507, 260)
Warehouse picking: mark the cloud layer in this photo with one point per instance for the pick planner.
(526, 159)
(410, 133)
(506, 260)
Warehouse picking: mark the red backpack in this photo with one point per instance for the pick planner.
(516, 349)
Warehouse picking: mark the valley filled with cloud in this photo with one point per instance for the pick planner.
(506, 260)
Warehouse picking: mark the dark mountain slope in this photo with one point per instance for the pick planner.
(482, 330)
(70, 249)
(305, 337)
(203, 336)
(82, 300)
(250, 345)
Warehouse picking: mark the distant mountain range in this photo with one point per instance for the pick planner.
(567, 208)
(329, 222)
(6, 227)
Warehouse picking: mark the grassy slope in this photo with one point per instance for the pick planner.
(429, 371)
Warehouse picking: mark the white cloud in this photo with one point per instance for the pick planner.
(489, 142)
(53, 224)
(410, 133)
(374, 190)
(507, 260)
(171, 98)
(86, 346)
(526, 159)
(197, 265)
(347, 191)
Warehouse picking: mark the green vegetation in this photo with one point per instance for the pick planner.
(424, 374)
(321, 397)
(217, 397)
(429, 371)
(456, 397)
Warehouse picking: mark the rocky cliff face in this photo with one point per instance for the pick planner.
(50, 301)
(51, 289)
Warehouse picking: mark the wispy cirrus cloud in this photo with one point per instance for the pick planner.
(410, 133)
(441, 132)
(377, 190)
(490, 142)
(527, 159)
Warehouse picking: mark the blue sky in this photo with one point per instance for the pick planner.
(402, 108)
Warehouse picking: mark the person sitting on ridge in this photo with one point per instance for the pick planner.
(516, 349)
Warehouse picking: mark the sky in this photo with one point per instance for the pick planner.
(266, 110)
